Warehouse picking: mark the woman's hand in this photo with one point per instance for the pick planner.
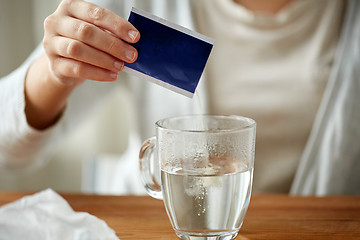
(81, 41)
(85, 41)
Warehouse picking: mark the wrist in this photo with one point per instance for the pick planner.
(45, 96)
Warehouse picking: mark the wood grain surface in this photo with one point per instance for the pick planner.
(268, 217)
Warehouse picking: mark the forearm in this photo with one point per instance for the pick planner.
(45, 98)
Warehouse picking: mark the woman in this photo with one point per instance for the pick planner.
(271, 61)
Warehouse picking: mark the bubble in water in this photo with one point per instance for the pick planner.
(193, 186)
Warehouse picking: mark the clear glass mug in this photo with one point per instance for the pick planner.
(206, 166)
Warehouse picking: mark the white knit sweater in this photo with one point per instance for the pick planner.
(329, 164)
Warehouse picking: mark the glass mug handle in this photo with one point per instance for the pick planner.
(149, 169)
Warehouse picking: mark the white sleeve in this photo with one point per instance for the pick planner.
(19, 142)
(22, 146)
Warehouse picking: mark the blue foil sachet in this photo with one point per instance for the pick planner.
(168, 54)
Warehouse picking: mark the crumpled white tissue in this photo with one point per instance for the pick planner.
(46, 215)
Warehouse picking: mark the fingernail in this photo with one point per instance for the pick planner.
(130, 55)
(133, 34)
(118, 65)
(113, 76)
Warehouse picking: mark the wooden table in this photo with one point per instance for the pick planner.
(268, 217)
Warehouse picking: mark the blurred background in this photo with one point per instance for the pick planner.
(21, 24)
(21, 30)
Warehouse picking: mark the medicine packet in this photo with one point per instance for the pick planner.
(168, 54)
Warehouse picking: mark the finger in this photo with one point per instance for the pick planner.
(103, 18)
(65, 68)
(70, 48)
(97, 38)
